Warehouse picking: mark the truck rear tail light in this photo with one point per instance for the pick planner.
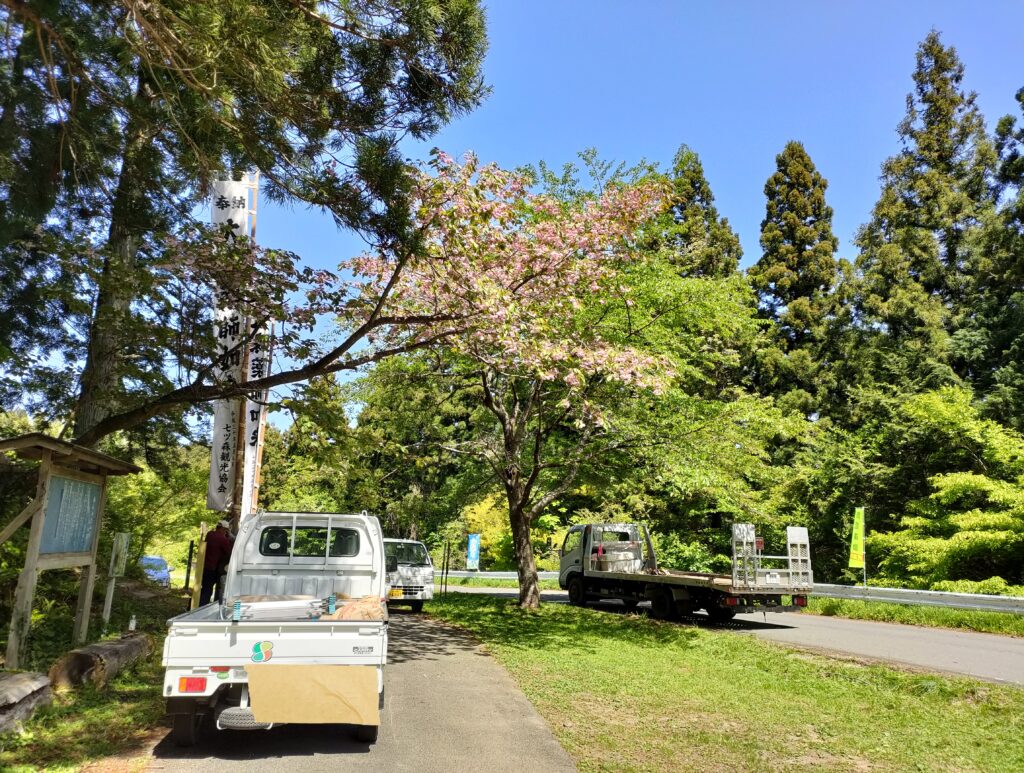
(220, 669)
(731, 601)
(192, 684)
(800, 601)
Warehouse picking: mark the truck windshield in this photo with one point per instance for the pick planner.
(408, 553)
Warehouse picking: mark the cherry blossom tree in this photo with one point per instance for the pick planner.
(530, 283)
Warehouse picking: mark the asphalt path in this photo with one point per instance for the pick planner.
(980, 655)
(449, 707)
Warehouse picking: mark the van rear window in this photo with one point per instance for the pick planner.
(310, 541)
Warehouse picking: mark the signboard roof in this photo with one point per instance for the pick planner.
(33, 445)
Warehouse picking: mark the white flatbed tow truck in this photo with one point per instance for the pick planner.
(618, 561)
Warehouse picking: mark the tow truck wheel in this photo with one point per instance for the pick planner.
(367, 733)
(577, 592)
(721, 614)
(416, 606)
(185, 730)
(663, 606)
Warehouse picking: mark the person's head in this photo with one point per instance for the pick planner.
(224, 525)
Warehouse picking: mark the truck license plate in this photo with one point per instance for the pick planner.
(395, 593)
(772, 578)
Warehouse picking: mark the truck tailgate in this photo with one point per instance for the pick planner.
(223, 643)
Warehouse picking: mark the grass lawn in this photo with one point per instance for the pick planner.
(89, 724)
(624, 693)
(936, 617)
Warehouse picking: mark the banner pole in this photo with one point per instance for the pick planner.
(864, 542)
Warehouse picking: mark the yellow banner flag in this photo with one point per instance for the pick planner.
(857, 540)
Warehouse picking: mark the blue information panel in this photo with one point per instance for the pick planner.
(473, 552)
(72, 512)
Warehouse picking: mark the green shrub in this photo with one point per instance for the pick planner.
(994, 586)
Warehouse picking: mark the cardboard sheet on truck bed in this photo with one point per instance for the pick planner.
(314, 694)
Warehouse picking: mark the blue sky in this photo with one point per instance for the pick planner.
(733, 80)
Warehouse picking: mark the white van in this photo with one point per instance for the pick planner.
(413, 582)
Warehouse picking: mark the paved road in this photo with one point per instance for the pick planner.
(981, 655)
(449, 707)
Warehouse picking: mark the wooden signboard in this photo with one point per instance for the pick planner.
(64, 525)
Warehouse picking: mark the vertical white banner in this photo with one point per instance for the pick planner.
(230, 207)
(255, 419)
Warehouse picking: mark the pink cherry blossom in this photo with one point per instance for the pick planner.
(506, 275)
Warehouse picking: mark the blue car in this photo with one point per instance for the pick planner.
(156, 569)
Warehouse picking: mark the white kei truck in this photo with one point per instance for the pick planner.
(618, 561)
(412, 582)
(301, 636)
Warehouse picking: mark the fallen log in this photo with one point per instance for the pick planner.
(21, 693)
(98, 662)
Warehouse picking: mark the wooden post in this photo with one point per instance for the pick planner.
(108, 601)
(19, 520)
(89, 580)
(188, 563)
(21, 615)
(119, 547)
(200, 560)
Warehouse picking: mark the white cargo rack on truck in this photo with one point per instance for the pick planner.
(618, 561)
(301, 636)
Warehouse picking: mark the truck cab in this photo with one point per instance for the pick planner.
(412, 580)
(602, 547)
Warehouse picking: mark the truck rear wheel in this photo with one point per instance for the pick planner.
(577, 591)
(663, 606)
(185, 729)
(367, 733)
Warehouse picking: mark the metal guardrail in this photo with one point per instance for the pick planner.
(495, 575)
(928, 598)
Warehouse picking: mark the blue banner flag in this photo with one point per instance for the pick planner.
(473, 552)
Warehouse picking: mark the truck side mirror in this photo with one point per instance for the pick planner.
(391, 564)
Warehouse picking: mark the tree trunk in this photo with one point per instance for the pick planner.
(526, 565)
(20, 695)
(101, 389)
(98, 662)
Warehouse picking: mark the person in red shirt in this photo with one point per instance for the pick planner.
(218, 552)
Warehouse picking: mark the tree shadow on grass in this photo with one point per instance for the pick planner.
(749, 622)
(500, 621)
